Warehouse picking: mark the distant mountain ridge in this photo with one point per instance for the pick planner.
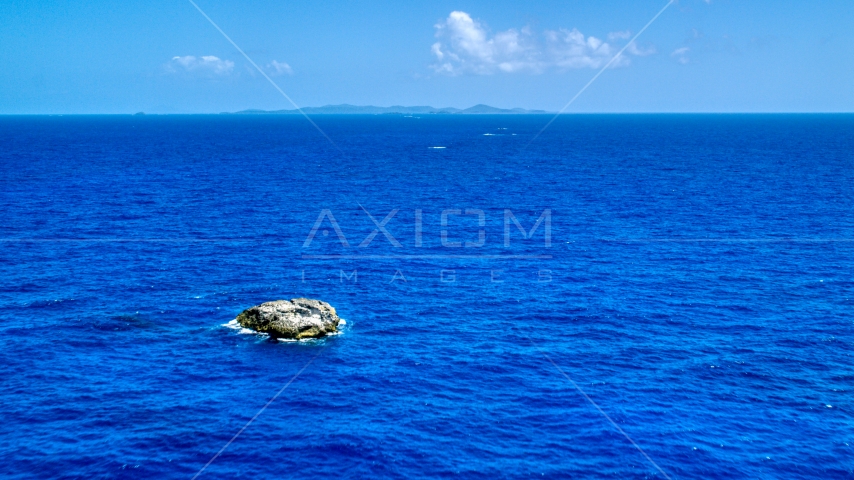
(346, 109)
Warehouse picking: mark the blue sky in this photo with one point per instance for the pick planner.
(164, 57)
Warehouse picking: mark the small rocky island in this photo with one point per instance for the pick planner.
(297, 318)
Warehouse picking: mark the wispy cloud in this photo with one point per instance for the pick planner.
(624, 35)
(206, 64)
(279, 68)
(465, 46)
(681, 55)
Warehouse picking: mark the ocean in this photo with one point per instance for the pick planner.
(626, 296)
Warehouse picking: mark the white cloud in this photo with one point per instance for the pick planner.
(570, 49)
(465, 46)
(681, 55)
(207, 64)
(640, 52)
(279, 68)
(624, 35)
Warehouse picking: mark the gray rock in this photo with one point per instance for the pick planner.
(297, 318)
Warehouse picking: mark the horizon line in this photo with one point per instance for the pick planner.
(252, 112)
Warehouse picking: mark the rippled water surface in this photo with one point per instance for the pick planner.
(697, 287)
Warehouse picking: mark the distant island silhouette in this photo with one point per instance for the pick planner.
(346, 109)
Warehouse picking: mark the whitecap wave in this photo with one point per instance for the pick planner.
(242, 331)
(309, 340)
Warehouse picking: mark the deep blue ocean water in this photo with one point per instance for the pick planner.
(697, 287)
